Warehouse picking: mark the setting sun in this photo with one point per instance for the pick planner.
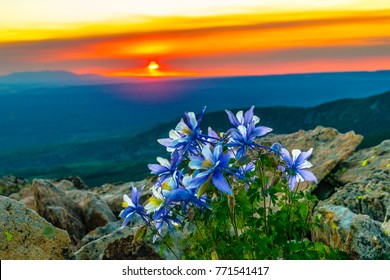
(153, 65)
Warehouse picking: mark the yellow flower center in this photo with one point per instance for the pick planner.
(125, 204)
(166, 186)
(207, 164)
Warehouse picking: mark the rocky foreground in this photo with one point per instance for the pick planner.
(64, 219)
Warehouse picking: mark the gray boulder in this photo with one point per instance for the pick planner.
(357, 235)
(362, 187)
(76, 211)
(27, 236)
(117, 245)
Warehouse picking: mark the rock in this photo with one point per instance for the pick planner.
(117, 245)
(96, 212)
(371, 198)
(53, 205)
(25, 196)
(26, 235)
(363, 182)
(335, 224)
(371, 164)
(354, 217)
(366, 239)
(113, 194)
(98, 233)
(12, 184)
(329, 147)
(70, 183)
(357, 235)
(95, 245)
(126, 249)
(76, 211)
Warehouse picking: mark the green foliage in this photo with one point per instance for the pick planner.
(263, 220)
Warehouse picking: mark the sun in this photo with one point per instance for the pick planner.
(153, 65)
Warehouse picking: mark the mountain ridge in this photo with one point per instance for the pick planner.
(63, 78)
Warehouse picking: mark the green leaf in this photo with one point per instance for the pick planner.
(303, 210)
(140, 234)
(203, 188)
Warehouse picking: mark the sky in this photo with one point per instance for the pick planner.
(194, 37)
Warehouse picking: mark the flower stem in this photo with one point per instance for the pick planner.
(165, 242)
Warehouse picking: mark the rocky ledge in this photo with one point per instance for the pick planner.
(64, 219)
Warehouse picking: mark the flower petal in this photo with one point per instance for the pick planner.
(232, 118)
(157, 169)
(305, 164)
(303, 157)
(217, 151)
(307, 175)
(208, 155)
(224, 160)
(167, 142)
(191, 118)
(248, 117)
(220, 182)
(285, 154)
(292, 180)
(261, 130)
(195, 164)
(198, 180)
(174, 134)
(127, 220)
(240, 117)
(127, 199)
(295, 154)
(243, 131)
(163, 162)
(183, 128)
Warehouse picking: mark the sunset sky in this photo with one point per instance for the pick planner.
(194, 37)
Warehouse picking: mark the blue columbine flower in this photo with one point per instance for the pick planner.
(186, 135)
(213, 136)
(243, 137)
(276, 148)
(132, 206)
(296, 166)
(175, 192)
(166, 168)
(156, 201)
(164, 216)
(214, 163)
(243, 119)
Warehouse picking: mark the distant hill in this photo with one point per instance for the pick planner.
(367, 116)
(44, 115)
(126, 158)
(55, 78)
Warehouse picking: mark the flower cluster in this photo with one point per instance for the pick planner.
(212, 161)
